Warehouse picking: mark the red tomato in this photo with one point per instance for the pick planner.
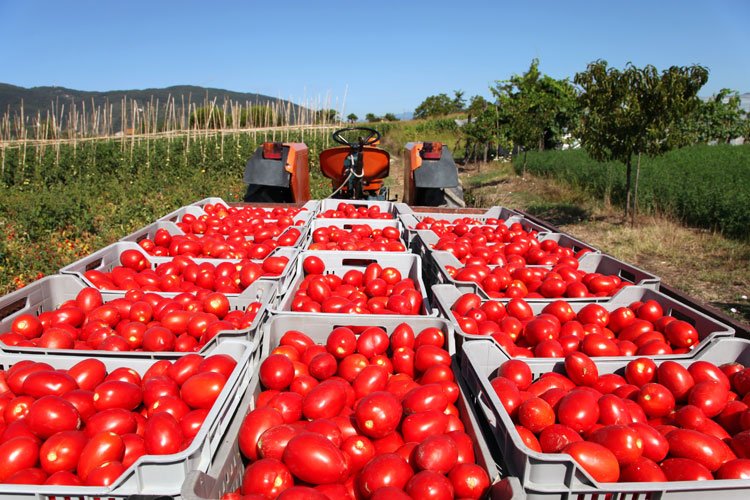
(17, 454)
(267, 477)
(625, 442)
(581, 369)
(469, 481)
(656, 400)
(378, 414)
(595, 459)
(436, 453)
(102, 448)
(676, 378)
(313, 265)
(202, 389)
(325, 400)
(429, 485)
(734, 469)
(706, 450)
(536, 414)
(52, 414)
(709, 396)
(117, 394)
(684, 469)
(383, 471)
(578, 410)
(556, 437)
(61, 451)
(314, 459)
(642, 470)
(640, 372)
(253, 426)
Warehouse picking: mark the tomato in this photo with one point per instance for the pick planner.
(117, 394)
(581, 369)
(102, 448)
(383, 471)
(595, 459)
(253, 426)
(642, 470)
(313, 265)
(192, 422)
(48, 383)
(640, 372)
(314, 459)
(469, 481)
(734, 469)
(517, 371)
(428, 355)
(656, 400)
(27, 325)
(437, 453)
(52, 414)
(556, 437)
(593, 313)
(202, 389)
(267, 477)
(431, 485)
(424, 398)
(341, 342)
(105, 474)
(61, 451)
(372, 341)
(709, 396)
(135, 447)
(219, 363)
(325, 400)
(417, 426)
(676, 378)
(707, 450)
(703, 371)
(578, 410)
(378, 414)
(63, 478)
(536, 414)
(17, 454)
(625, 442)
(613, 410)
(684, 469)
(465, 303)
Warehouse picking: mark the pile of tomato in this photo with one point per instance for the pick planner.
(641, 329)
(517, 281)
(183, 274)
(85, 426)
(363, 416)
(376, 290)
(139, 321)
(250, 243)
(360, 238)
(650, 422)
(350, 211)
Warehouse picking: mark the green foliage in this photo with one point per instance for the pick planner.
(352, 118)
(720, 118)
(703, 186)
(372, 118)
(207, 117)
(439, 105)
(390, 117)
(634, 111)
(537, 108)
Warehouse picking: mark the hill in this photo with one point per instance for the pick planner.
(43, 99)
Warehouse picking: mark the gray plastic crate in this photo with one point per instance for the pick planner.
(410, 266)
(557, 475)
(150, 230)
(589, 263)
(109, 257)
(227, 469)
(48, 293)
(155, 475)
(444, 296)
(301, 218)
(348, 224)
(332, 203)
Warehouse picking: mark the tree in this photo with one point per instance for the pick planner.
(477, 104)
(635, 111)
(372, 118)
(351, 118)
(434, 105)
(207, 117)
(390, 117)
(538, 108)
(458, 101)
(720, 118)
(327, 116)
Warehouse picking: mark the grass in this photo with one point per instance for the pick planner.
(700, 262)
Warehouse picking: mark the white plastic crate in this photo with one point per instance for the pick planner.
(49, 292)
(109, 257)
(557, 475)
(348, 225)
(155, 475)
(589, 263)
(332, 204)
(444, 296)
(196, 209)
(410, 266)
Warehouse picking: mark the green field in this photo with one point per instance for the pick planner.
(701, 186)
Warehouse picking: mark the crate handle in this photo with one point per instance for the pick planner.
(173, 219)
(12, 308)
(487, 409)
(682, 316)
(358, 262)
(627, 275)
(94, 264)
(141, 238)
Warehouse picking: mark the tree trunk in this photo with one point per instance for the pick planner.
(486, 150)
(523, 172)
(628, 164)
(635, 193)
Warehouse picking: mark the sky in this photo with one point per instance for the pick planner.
(360, 57)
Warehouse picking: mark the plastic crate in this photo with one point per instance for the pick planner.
(155, 475)
(548, 475)
(410, 266)
(49, 292)
(333, 203)
(227, 468)
(589, 263)
(495, 212)
(444, 296)
(348, 224)
(109, 257)
(302, 218)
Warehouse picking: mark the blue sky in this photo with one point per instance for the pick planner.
(382, 56)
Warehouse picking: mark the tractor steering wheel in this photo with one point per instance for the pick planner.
(372, 137)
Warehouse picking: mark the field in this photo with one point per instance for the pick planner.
(701, 186)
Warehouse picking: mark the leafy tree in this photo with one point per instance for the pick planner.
(635, 111)
(459, 103)
(327, 116)
(390, 117)
(434, 105)
(351, 118)
(372, 118)
(719, 119)
(538, 108)
(477, 104)
(206, 117)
